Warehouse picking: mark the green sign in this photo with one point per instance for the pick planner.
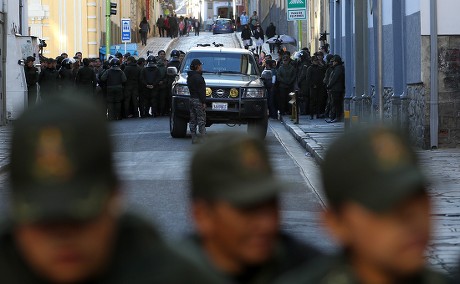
(296, 4)
(296, 10)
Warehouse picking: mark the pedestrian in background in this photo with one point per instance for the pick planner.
(67, 223)
(144, 29)
(161, 26)
(271, 32)
(336, 86)
(254, 20)
(259, 37)
(31, 73)
(244, 19)
(196, 26)
(197, 88)
(379, 211)
(236, 211)
(246, 35)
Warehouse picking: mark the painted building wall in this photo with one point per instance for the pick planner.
(79, 25)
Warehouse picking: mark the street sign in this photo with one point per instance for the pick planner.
(296, 10)
(125, 30)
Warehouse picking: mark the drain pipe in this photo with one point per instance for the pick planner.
(434, 101)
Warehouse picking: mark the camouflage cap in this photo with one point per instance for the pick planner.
(235, 168)
(61, 162)
(374, 167)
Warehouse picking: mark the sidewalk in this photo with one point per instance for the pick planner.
(155, 44)
(441, 166)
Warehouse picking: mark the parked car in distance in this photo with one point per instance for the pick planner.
(222, 26)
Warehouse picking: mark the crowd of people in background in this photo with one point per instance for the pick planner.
(173, 26)
(124, 87)
(319, 79)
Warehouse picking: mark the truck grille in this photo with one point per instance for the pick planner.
(220, 93)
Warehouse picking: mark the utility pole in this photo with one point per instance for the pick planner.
(110, 9)
(108, 29)
(379, 43)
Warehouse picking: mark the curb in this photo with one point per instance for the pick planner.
(312, 147)
(168, 46)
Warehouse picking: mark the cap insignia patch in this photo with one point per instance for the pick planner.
(389, 150)
(51, 160)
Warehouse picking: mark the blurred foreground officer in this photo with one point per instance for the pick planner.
(235, 203)
(379, 212)
(67, 224)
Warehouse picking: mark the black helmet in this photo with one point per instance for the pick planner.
(115, 62)
(175, 53)
(337, 59)
(151, 59)
(67, 63)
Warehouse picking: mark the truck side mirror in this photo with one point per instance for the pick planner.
(171, 71)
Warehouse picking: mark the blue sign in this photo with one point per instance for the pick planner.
(126, 30)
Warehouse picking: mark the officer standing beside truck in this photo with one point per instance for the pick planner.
(197, 88)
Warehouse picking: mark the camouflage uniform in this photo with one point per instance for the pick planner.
(197, 116)
(197, 88)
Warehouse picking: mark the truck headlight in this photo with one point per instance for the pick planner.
(251, 93)
(181, 90)
(234, 93)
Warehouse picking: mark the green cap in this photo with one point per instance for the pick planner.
(375, 167)
(233, 167)
(61, 162)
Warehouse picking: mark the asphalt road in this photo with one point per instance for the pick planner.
(154, 171)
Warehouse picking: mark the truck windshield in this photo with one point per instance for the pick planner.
(228, 63)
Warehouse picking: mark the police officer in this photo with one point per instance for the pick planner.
(131, 101)
(336, 87)
(114, 78)
(48, 80)
(66, 223)
(150, 78)
(66, 77)
(86, 79)
(235, 207)
(163, 106)
(379, 212)
(197, 88)
(314, 82)
(31, 78)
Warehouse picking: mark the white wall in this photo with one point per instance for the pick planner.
(447, 17)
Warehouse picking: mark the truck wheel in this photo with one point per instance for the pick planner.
(177, 126)
(258, 127)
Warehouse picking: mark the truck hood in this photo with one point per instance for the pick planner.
(227, 80)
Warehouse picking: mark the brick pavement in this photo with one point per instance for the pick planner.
(441, 167)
